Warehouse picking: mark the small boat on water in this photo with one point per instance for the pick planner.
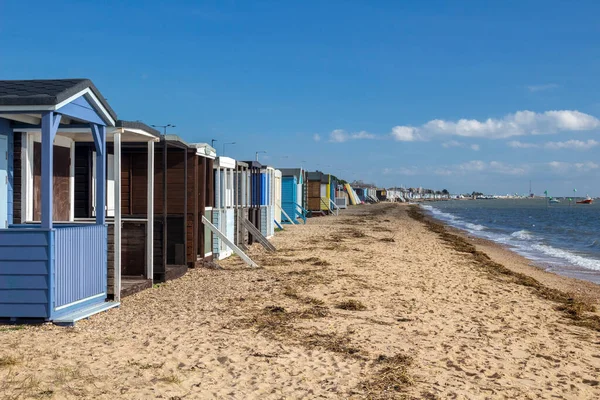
(588, 200)
(553, 200)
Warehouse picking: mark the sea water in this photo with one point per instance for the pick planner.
(561, 238)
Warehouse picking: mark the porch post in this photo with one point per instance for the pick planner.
(99, 134)
(117, 171)
(164, 185)
(150, 214)
(50, 122)
(185, 203)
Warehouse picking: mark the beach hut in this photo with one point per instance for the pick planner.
(202, 196)
(224, 212)
(129, 185)
(52, 268)
(314, 192)
(325, 193)
(292, 192)
(381, 194)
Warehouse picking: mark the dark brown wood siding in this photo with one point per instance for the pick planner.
(192, 203)
(83, 180)
(314, 195)
(111, 260)
(159, 266)
(133, 253)
(61, 206)
(139, 184)
(125, 182)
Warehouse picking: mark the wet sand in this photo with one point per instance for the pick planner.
(369, 304)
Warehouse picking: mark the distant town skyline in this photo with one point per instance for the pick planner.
(459, 95)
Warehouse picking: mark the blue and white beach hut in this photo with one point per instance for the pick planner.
(292, 182)
(52, 271)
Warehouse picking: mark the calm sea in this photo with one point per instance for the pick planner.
(561, 238)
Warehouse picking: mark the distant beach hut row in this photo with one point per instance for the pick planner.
(95, 208)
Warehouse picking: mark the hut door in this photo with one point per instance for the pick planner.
(60, 186)
(3, 182)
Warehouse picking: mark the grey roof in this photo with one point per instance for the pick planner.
(291, 172)
(241, 164)
(174, 139)
(137, 125)
(315, 176)
(254, 164)
(46, 92)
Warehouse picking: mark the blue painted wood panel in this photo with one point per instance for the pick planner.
(23, 282)
(289, 194)
(80, 108)
(24, 268)
(24, 274)
(24, 310)
(81, 263)
(33, 253)
(263, 189)
(23, 296)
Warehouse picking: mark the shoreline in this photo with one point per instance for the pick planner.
(511, 259)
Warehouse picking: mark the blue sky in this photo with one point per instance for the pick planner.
(363, 89)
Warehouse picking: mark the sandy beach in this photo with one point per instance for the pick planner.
(372, 303)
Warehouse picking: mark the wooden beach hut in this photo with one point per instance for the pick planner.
(51, 267)
(314, 191)
(130, 258)
(159, 206)
(202, 199)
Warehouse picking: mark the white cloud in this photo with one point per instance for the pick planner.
(405, 134)
(520, 145)
(569, 144)
(340, 136)
(362, 135)
(572, 144)
(569, 168)
(317, 137)
(475, 165)
(489, 169)
(518, 124)
(478, 166)
(539, 88)
(454, 143)
(507, 169)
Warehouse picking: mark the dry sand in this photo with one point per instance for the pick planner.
(434, 325)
